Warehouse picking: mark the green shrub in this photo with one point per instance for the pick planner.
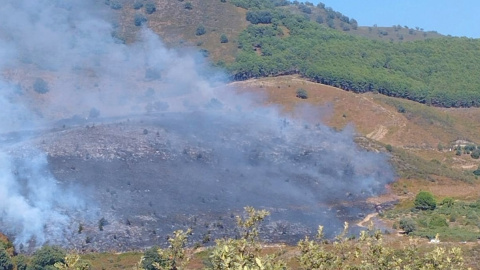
(453, 217)
(116, 5)
(437, 221)
(475, 154)
(200, 30)
(261, 16)
(102, 223)
(40, 86)
(425, 201)
(21, 261)
(302, 93)
(188, 6)
(223, 38)
(408, 225)
(150, 8)
(47, 256)
(137, 5)
(150, 257)
(140, 19)
(389, 147)
(6, 262)
(448, 202)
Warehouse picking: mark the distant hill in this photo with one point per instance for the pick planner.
(259, 38)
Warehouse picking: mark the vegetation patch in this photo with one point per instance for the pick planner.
(451, 220)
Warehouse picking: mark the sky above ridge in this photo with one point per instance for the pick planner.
(456, 18)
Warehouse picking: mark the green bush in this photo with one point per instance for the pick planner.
(425, 201)
(223, 38)
(452, 218)
(408, 225)
(40, 86)
(137, 5)
(448, 202)
(140, 19)
(150, 8)
(389, 147)
(21, 261)
(437, 221)
(6, 262)
(200, 30)
(150, 257)
(188, 6)
(475, 154)
(47, 256)
(302, 93)
(261, 16)
(116, 5)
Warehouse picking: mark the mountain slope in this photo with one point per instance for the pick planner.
(270, 38)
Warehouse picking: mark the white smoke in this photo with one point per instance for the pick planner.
(87, 73)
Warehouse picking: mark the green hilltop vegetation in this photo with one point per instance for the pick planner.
(441, 71)
(280, 37)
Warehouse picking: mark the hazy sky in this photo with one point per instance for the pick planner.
(456, 18)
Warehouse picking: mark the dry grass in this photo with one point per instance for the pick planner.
(113, 260)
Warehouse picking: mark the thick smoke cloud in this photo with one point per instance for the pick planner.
(60, 64)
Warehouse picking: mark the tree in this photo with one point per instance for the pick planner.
(245, 252)
(47, 256)
(319, 19)
(200, 30)
(140, 19)
(408, 225)
(354, 24)
(21, 262)
(425, 201)
(5, 260)
(477, 171)
(302, 93)
(150, 8)
(40, 86)
(188, 6)
(116, 5)
(475, 154)
(173, 257)
(137, 5)
(261, 16)
(150, 256)
(223, 38)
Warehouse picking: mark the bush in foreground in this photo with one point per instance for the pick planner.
(245, 252)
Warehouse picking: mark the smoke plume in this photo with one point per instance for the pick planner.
(61, 64)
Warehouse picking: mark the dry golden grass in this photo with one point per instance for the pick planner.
(418, 131)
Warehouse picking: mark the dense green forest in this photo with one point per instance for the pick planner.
(440, 72)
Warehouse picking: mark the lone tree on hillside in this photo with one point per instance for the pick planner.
(150, 8)
(425, 201)
(200, 30)
(302, 93)
(40, 86)
(188, 6)
(223, 38)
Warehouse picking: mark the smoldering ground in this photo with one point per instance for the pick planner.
(129, 142)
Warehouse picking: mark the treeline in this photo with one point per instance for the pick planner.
(440, 72)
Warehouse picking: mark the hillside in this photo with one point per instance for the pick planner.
(270, 38)
(110, 145)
